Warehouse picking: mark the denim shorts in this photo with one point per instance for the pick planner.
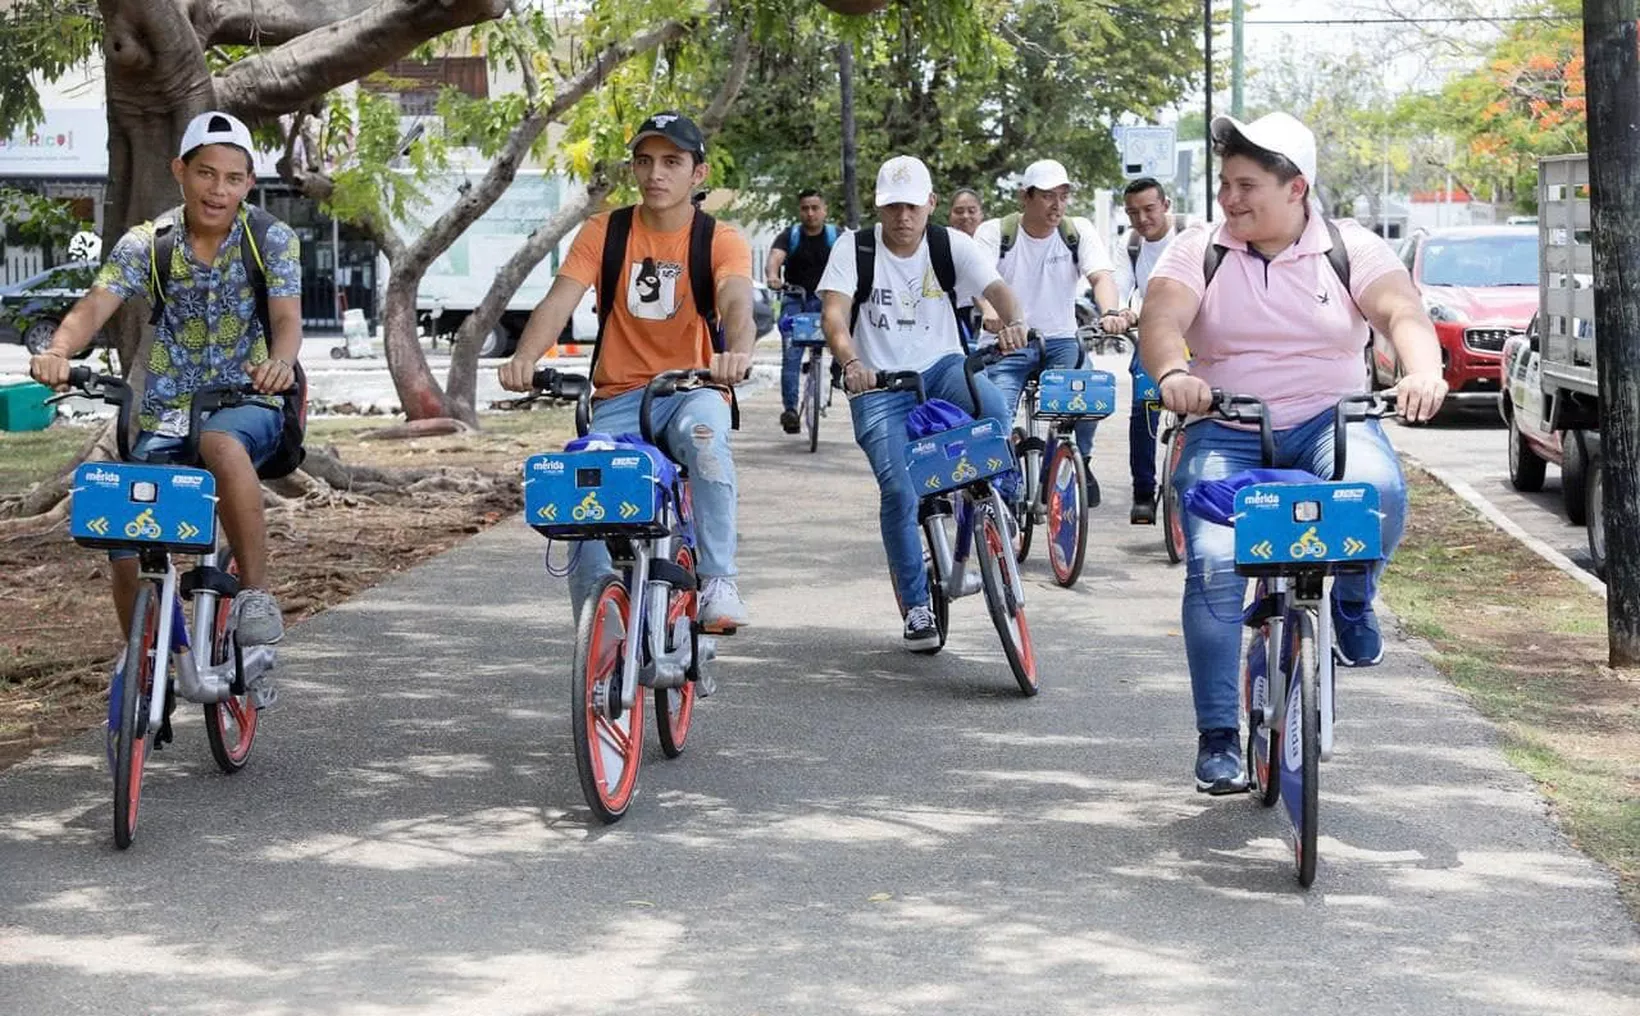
(256, 427)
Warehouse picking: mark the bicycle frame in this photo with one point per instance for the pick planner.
(951, 556)
(664, 669)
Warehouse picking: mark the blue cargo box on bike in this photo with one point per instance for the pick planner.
(957, 457)
(1283, 528)
(124, 504)
(1083, 394)
(804, 329)
(1145, 388)
(593, 493)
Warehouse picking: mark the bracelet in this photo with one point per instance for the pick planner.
(850, 363)
(1176, 370)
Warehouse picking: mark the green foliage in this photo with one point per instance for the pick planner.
(32, 220)
(361, 140)
(41, 38)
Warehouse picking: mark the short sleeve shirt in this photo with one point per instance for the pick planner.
(807, 263)
(1281, 329)
(209, 333)
(654, 326)
(1040, 272)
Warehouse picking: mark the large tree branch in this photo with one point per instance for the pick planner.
(718, 111)
(266, 22)
(311, 64)
(305, 175)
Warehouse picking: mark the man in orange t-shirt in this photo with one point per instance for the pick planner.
(655, 326)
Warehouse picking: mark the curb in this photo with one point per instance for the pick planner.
(1493, 515)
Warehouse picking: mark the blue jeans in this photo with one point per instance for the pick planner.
(879, 430)
(791, 357)
(1143, 424)
(1213, 592)
(693, 429)
(256, 427)
(1009, 374)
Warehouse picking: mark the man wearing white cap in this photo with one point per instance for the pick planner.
(224, 279)
(890, 304)
(1043, 255)
(1275, 302)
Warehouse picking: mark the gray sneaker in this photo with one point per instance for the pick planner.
(260, 623)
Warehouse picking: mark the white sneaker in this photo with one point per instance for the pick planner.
(260, 622)
(721, 608)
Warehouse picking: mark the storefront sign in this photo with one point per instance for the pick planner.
(67, 143)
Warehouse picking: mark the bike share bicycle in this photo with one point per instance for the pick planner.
(1293, 531)
(952, 460)
(638, 627)
(163, 507)
(803, 330)
(1169, 435)
(1055, 400)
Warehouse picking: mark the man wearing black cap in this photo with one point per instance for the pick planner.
(671, 275)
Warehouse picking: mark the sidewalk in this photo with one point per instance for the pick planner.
(853, 829)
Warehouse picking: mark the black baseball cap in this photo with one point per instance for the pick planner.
(676, 128)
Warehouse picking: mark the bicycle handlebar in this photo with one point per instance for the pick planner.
(208, 399)
(1235, 408)
(550, 381)
(669, 382)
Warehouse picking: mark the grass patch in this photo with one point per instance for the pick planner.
(1530, 653)
(29, 456)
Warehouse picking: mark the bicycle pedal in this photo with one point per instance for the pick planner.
(264, 693)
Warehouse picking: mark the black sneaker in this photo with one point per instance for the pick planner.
(1143, 512)
(922, 635)
(1218, 762)
(1093, 484)
(789, 422)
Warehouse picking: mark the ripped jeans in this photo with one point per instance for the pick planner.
(693, 429)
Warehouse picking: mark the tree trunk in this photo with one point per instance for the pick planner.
(419, 394)
(1612, 69)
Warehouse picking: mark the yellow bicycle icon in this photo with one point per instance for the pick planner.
(1308, 544)
(1077, 404)
(588, 509)
(143, 526)
(964, 472)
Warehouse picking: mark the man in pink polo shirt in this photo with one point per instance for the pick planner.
(1278, 322)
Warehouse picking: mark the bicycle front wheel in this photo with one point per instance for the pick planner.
(811, 400)
(1172, 504)
(133, 735)
(1067, 522)
(1263, 732)
(675, 707)
(1007, 612)
(608, 749)
(1301, 747)
(230, 725)
(1030, 487)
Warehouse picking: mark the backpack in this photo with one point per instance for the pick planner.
(702, 231)
(865, 269)
(794, 236)
(255, 222)
(1067, 233)
(1338, 257)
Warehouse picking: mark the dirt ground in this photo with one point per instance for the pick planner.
(60, 637)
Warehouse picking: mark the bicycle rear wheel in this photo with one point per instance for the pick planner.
(1030, 486)
(230, 725)
(1172, 505)
(134, 735)
(608, 750)
(1067, 523)
(1301, 747)
(811, 399)
(675, 707)
(1007, 612)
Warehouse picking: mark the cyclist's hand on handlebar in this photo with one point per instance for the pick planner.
(50, 369)
(1187, 395)
(1113, 322)
(1012, 337)
(517, 374)
(730, 368)
(857, 378)
(272, 375)
(1419, 396)
(992, 324)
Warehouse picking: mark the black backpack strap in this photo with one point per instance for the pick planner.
(159, 266)
(1211, 256)
(1133, 251)
(1007, 233)
(945, 268)
(1339, 256)
(609, 275)
(256, 223)
(865, 270)
(702, 232)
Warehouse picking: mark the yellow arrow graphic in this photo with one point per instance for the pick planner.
(1263, 550)
(628, 509)
(993, 463)
(98, 526)
(186, 532)
(548, 512)
(1352, 546)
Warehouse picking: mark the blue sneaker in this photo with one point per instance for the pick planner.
(1218, 762)
(1357, 642)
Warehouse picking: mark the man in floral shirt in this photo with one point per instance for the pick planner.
(210, 332)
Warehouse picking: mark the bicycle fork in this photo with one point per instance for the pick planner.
(667, 669)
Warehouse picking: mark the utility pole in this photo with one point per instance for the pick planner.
(851, 183)
(1611, 56)
(1238, 13)
(1207, 90)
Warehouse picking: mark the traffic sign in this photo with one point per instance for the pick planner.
(1149, 151)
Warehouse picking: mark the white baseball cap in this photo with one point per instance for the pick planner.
(1274, 132)
(1045, 174)
(904, 180)
(215, 128)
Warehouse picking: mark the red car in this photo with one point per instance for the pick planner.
(1480, 286)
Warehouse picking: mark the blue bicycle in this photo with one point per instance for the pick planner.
(1290, 538)
(802, 330)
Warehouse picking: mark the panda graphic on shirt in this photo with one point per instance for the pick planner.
(652, 289)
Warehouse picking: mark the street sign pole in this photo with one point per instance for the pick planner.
(1207, 89)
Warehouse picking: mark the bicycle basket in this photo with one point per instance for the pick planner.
(125, 504)
(954, 457)
(1076, 394)
(1282, 528)
(599, 486)
(804, 329)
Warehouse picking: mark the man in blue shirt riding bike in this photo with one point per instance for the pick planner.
(802, 251)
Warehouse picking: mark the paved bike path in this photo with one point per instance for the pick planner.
(852, 829)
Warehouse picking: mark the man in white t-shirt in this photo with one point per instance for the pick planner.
(1043, 256)
(907, 321)
(1150, 229)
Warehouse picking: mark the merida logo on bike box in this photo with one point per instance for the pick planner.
(187, 480)
(549, 465)
(103, 477)
(1263, 499)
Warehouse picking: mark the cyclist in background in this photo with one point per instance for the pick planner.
(801, 250)
(967, 212)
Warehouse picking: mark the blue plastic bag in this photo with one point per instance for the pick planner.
(1215, 500)
(666, 471)
(934, 417)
